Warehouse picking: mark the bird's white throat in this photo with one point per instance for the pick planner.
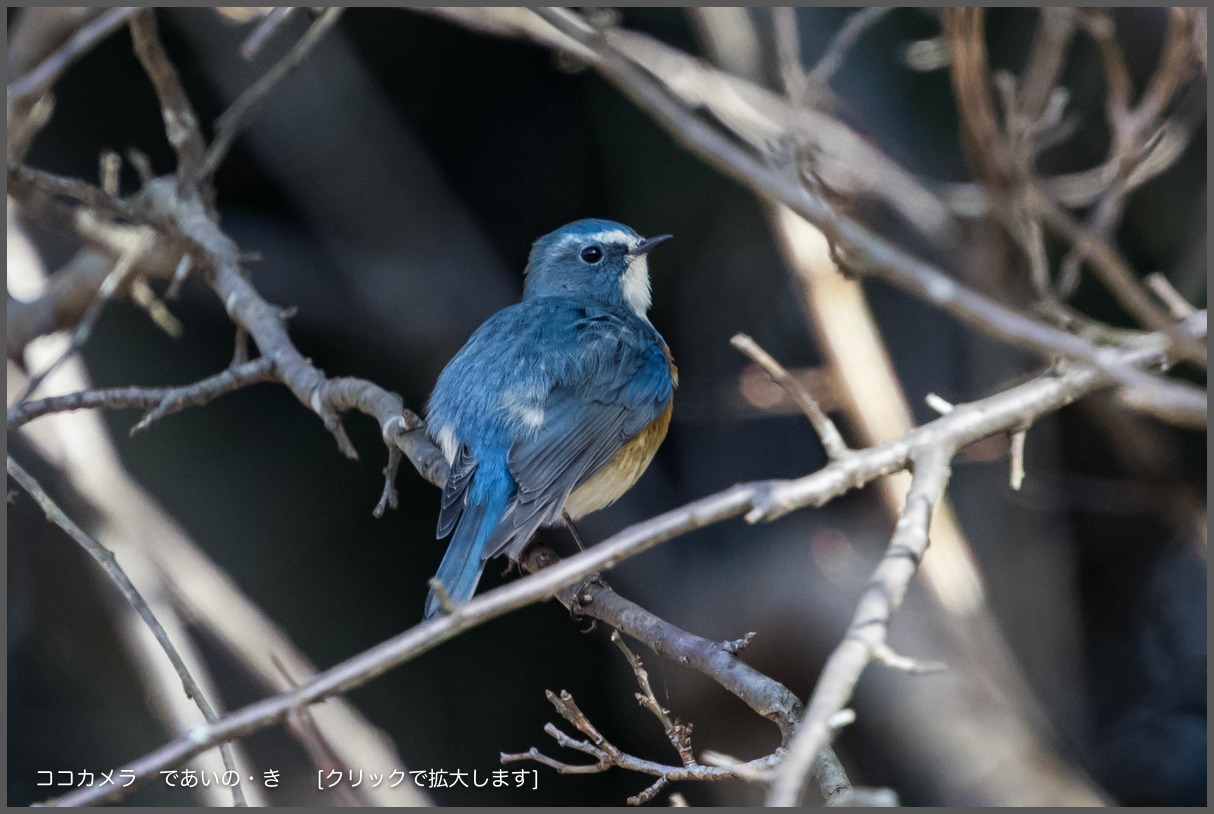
(635, 286)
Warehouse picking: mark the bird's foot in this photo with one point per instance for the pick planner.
(583, 593)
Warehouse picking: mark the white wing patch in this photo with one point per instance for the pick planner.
(525, 405)
(446, 439)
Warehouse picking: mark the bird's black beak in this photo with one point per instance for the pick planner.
(647, 244)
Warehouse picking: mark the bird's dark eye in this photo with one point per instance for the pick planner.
(592, 254)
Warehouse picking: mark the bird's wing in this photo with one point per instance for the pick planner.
(455, 491)
(620, 385)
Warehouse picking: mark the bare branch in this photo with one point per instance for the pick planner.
(608, 756)
(836, 51)
(109, 564)
(832, 440)
(267, 28)
(41, 78)
(1133, 131)
(1082, 188)
(161, 401)
(762, 500)
(389, 499)
(1169, 400)
(235, 117)
(867, 632)
(717, 660)
(134, 242)
(1017, 457)
(1055, 30)
(187, 216)
(788, 54)
(1161, 287)
(760, 118)
(182, 219)
(982, 140)
(886, 655)
(180, 121)
(1117, 276)
(182, 579)
(39, 191)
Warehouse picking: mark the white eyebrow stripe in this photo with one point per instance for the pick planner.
(614, 236)
(611, 236)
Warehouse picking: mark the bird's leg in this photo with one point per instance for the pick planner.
(583, 591)
(577, 538)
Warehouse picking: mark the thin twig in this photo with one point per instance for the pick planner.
(182, 219)
(41, 78)
(870, 623)
(1132, 131)
(832, 440)
(650, 701)
(109, 564)
(389, 499)
(982, 142)
(1161, 287)
(161, 401)
(941, 405)
(234, 117)
(113, 282)
(886, 655)
(788, 54)
(37, 190)
(608, 756)
(267, 28)
(857, 23)
(1117, 276)
(180, 121)
(1055, 30)
(717, 660)
(143, 296)
(302, 725)
(1017, 458)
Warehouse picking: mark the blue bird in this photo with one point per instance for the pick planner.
(556, 405)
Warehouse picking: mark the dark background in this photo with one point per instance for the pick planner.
(393, 186)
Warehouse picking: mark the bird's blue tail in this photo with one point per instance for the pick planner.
(464, 561)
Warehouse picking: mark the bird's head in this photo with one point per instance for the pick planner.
(600, 260)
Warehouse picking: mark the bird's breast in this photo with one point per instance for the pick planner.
(622, 471)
